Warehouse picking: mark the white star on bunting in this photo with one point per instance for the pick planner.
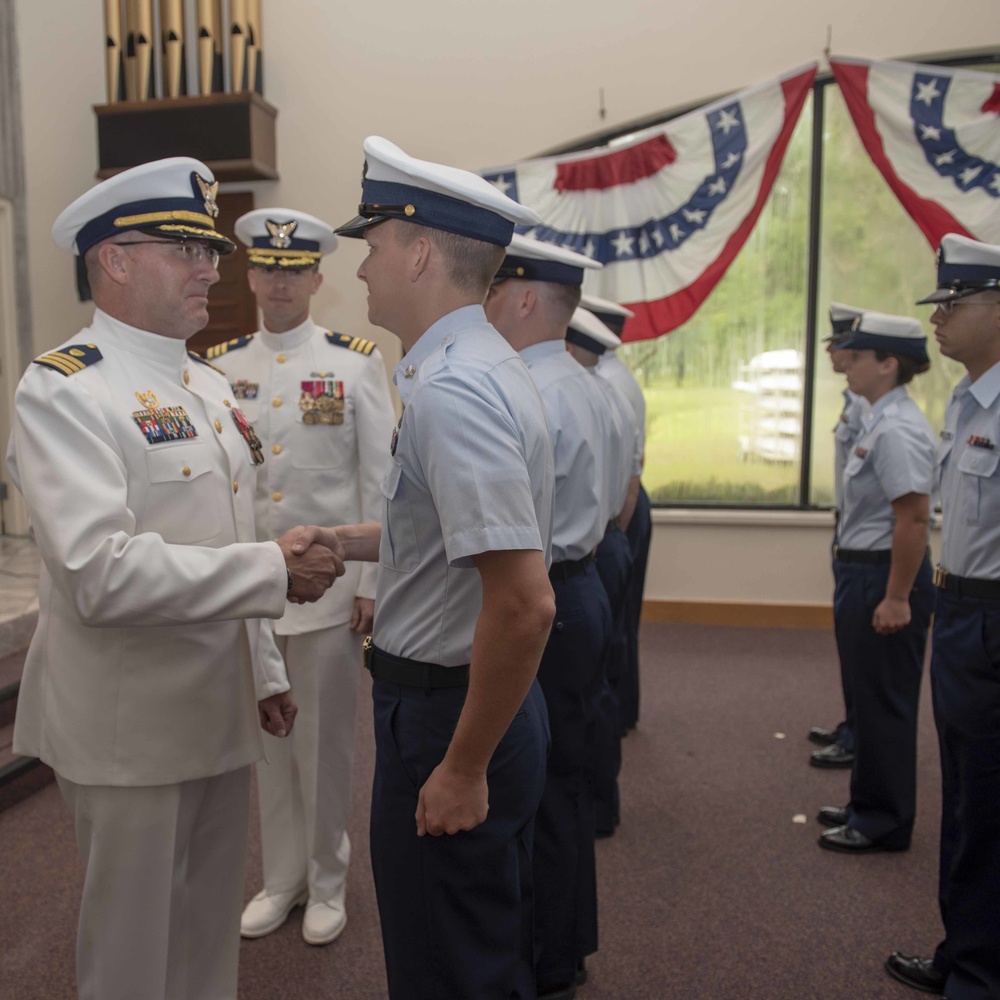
(623, 244)
(969, 174)
(927, 93)
(501, 185)
(930, 133)
(943, 159)
(676, 233)
(695, 215)
(731, 160)
(727, 121)
(717, 186)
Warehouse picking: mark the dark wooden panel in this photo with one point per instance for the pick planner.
(231, 305)
(233, 133)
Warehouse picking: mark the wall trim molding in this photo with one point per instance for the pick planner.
(740, 613)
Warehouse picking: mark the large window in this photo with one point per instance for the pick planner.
(727, 394)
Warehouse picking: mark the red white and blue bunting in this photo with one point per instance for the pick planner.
(667, 211)
(934, 134)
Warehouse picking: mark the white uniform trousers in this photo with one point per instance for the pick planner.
(305, 789)
(160, 915)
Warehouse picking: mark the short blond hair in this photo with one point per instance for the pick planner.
(470, 264)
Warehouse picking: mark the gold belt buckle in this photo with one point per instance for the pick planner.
(940, 577)
(366, 653)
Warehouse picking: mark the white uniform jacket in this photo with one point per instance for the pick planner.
(320, 403)
(149, 656)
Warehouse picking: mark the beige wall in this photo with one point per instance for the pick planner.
(472, 84)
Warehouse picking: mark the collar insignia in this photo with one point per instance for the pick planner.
(281, 233)
(208, 192)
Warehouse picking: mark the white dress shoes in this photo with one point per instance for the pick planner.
(264, 913)
(324, 921)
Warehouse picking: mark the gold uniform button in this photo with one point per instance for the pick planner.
(281, 359)
(186, 471)
(218, 426)
(187, 378)
(276, 497)
(276, 402)
(236, 486)
(275, 449)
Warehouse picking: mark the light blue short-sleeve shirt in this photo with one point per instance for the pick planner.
(471, 471)
(893, 455)
(968, 467)
(844, 434)
(581, 430)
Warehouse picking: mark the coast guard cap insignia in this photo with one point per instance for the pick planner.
(208, 192)
(281, 233)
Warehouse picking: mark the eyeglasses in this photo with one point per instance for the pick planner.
(192, 253)
(948, 306)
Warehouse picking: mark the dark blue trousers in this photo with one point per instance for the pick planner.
(884, 673)
(456, 911)
(614, 559)
(965, 680)
(564, 867)
(844, 730)
(639, 534)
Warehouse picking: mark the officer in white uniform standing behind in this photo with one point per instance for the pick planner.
(320, 402)
(464, 603)
(150, 673)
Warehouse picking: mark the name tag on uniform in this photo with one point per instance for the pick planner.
(164, 423)
(861, 453)
(946, 435)
(244, 389)
(322, 401)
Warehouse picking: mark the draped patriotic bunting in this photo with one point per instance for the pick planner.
(934, 134)
(668, 211)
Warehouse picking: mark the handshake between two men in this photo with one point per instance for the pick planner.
(315, 556)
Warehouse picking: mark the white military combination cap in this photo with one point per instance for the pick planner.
(964, 267)
(587, 331)
(611, 314)
(397, 186)
(282, 237)
(534, 260)
(173, 199)
(883, 332)
(841, 320)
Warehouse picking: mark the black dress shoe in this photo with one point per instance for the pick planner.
(581, 972)
(832, 816)
(824, 737)
(832, 756)
(916, 972)
(847, 840)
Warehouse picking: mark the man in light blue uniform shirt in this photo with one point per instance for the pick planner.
(884, 595)
(587, 340)
(639, 529)
(965, 659)
(531, 303)
(463, 604)
(838, 743)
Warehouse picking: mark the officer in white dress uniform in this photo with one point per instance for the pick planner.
(150, 672)
(965, 656)
(531, 302)
(838, 742)
(320, 402)
(587, 340)
(464, 605)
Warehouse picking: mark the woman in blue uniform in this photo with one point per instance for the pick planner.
(883, 593)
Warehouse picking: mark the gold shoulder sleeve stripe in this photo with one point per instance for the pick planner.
(71, 359)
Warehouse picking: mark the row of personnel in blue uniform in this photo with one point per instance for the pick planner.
(890, 469)
(507, 521)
